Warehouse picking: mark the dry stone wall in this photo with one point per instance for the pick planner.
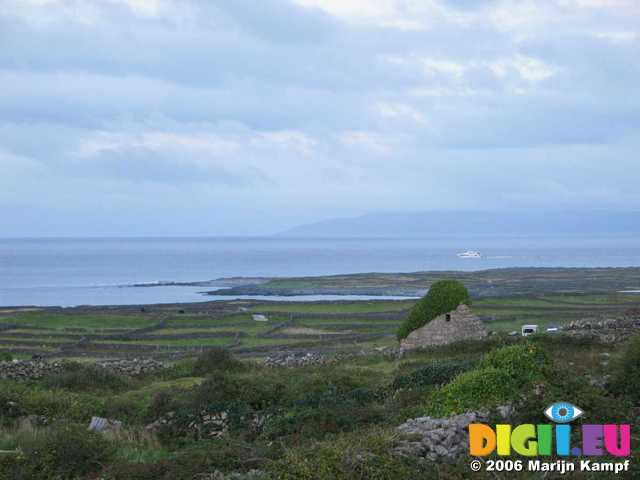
(34, 369)
(606, 330)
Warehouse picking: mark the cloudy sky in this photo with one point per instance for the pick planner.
(209, 117)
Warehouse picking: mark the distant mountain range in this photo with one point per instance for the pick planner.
(402, 224)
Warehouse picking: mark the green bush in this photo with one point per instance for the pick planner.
(524, 363)
(324, 401)
(318, 422)
(443, 296)
(32, 399)
(365, 455)
(500, 378)
(10, 406)
(216, 360)
(435, 373)
(480, 388)
(255, 391)
(58, 453)
(626, 378)
(81, 378)
(5, 356)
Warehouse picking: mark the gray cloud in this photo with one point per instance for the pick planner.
(132, 115)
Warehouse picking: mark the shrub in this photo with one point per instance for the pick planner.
(10, 408)
(318, 422)
(254, 391)
(216, 360)
(125, 409)
(326, 403)
(479, 388)
(31, 399)
(500, 378)
(524, 363)
(435, 373)
(363, 455)
(5, 356)
(443, 296)
(626, 378)
(59, 453)
(78, 377)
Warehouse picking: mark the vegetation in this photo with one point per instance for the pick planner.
(61, 452)
(626, 378)
(222, 410)
(216, 360)
(443, 296)
(349, 326)
(80, 377)
(501, 377)
(316, 422)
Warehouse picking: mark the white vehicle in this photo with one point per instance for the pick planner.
(470, 254)
(529, 330)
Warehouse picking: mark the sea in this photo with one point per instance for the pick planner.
(109, 271)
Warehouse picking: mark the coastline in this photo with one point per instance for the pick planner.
(503, 282)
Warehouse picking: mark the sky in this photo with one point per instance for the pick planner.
(246, 117)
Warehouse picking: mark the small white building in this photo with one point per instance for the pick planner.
(259, 318)
(529, 330)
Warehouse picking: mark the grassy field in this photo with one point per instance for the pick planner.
(343, 325)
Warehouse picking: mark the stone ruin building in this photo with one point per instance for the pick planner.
(455, 326)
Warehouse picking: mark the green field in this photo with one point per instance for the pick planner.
(342, 325)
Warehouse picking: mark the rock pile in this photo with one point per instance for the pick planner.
(205, 424)
(292, 360)
(132, 368)
(28, 369)
(437, 439)
(218, 475)
(304, 359)
(104, 425)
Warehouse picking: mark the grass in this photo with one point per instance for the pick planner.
(93, 321)
(336, 307)
(501, 314)
(146, 393)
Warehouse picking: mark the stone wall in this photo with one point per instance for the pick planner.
(34, 369)
(457, 325)
(605, 330)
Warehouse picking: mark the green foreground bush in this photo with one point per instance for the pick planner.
(216, 360)
(365, 456)
(443, 296)
(500, 378)
(57, 453)
(626, 378)
(19, 399)
(81, 378)
(433, 374)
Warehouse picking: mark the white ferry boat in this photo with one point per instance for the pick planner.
(470, 254)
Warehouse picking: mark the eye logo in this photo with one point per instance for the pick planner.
(563, 412)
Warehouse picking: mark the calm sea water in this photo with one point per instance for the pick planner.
(97, 271)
